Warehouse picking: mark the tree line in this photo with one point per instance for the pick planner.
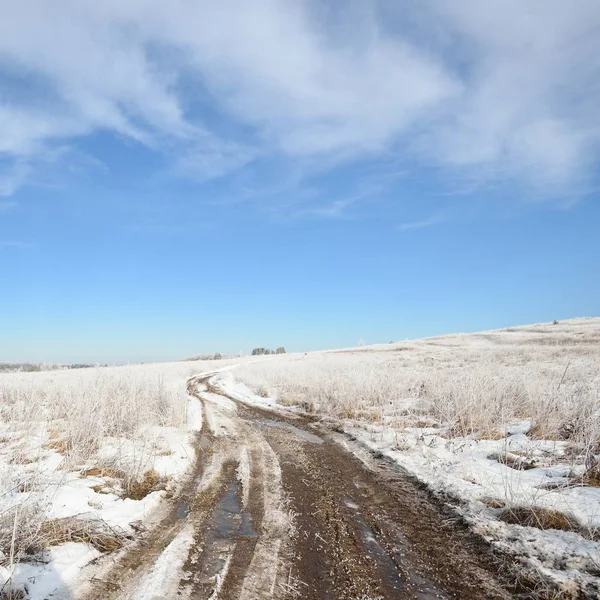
(260, 351)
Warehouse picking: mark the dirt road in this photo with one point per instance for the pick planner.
(283, 507)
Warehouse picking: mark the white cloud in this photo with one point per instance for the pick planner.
(503, 88)
(531, 90)
(333, 210)
(410, 225)
(330, 209)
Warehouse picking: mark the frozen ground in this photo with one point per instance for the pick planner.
(86, 457)
(504, 424)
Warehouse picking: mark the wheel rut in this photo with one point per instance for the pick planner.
(277, 507)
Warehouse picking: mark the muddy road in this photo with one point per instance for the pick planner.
(280, 506)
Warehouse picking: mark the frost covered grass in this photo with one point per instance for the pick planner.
(88, 417)
(506, 423)
(471, 384)
(84, 455)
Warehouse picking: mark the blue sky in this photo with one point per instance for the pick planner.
(182, 177)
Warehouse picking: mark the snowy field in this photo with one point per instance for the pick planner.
(86, 456)
(504, 424)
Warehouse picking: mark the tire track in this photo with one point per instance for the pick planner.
(364, 529)
(277, 509)
(209, 530)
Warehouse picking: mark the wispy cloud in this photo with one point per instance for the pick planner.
(498, 88)
(410, 225)
(334, 209)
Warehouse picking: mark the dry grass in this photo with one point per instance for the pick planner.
(62, 445)
(7, 593)
(471, 387)
(471, 384)
(541, 518)
(150, 482)
(25, 536)
(510, 459)
(286, 400)
(95, 533)
(591, 477)
(24, 533)
(102, 422)
(136, 488)
(81, 413)
(263, 392)
(492, 502)
(104, 471)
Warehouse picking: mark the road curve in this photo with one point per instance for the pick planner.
(281, 506)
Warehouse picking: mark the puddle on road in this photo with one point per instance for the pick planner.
(226, 518)
(183, 510)
(227, 524)
(411, 582)
(229, 521)
(302, 433)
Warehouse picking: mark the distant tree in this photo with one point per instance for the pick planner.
(267, 351)
(217, 356)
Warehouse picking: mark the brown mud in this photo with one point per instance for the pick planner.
(284, 507)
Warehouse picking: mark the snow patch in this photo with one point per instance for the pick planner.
(157, 584)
